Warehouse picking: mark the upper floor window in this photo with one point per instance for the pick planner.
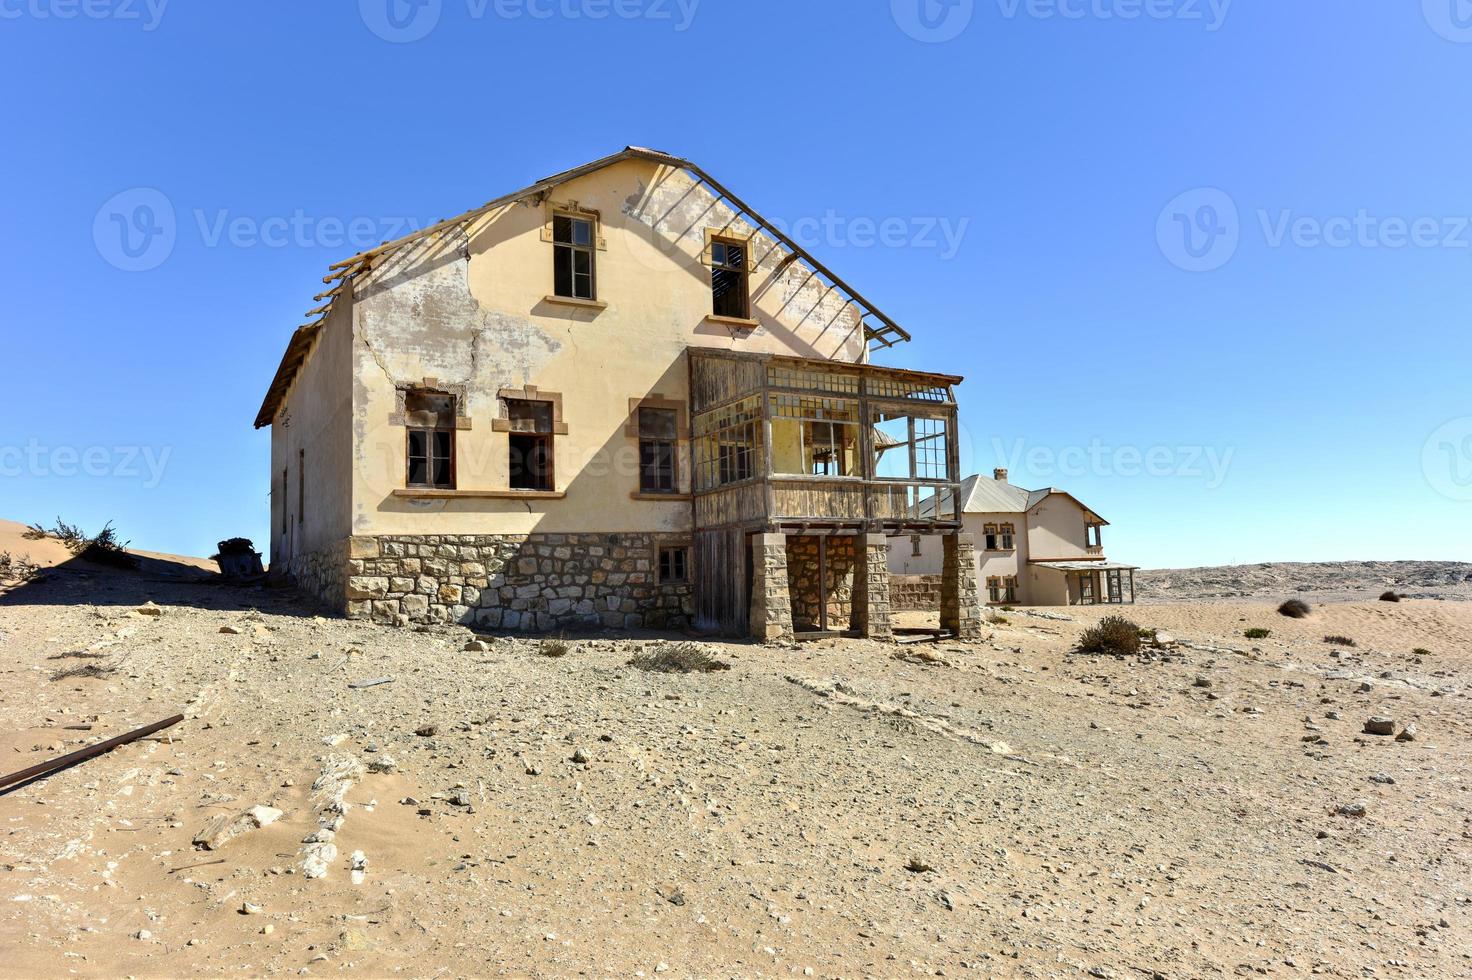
(1094, 535)
(573, 257)
(530, 444)
(430, 419)
(658, 435)
(999, 537)
(1009, 537)
(728, 271)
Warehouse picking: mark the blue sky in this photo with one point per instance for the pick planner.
(1206, 265)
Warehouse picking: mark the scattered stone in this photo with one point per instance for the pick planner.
(1379, 725)
(383, 763)
(1382, 779)
(917, 866)
(149, 609)
(427, 731)
(1320, 865)
(1407, 734)
(461, 798)
(250, 908)
(229, 631)
(371, 682)
(580, 757)
(477, 646)
(359, 867)
(220, 830)
(142, 934)
(1202, 681)
(1351, 809)
(267, 929)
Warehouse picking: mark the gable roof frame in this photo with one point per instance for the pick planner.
(881, 333)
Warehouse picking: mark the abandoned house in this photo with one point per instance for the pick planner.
(1033, 548)
(617, 398)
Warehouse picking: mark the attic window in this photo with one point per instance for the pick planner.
(573, 254)
(728, 270)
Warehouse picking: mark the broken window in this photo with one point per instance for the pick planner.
(674, 565)
(910, 447)
(990, 537)
(726, 444)
(430, 418)
(728, 279)
(658, 434)
(1009, 588)
(1009, 537)
(994, 588)
(815, 436)
(573, 253)
(1094, 535)
(530, 451)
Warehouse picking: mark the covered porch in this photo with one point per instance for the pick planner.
(1086, 583)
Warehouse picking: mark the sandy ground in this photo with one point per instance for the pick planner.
(1015, 809)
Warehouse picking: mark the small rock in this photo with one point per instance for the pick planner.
(383, 763)
(580, 757)
(1407, 734)
(477, 646)
(229, 631)
(142, 934)
(149, 609)
(1350, 809)
(1203, 681)
(427, 731)
(1379, 725)
(267, 929)
(461, 798)
(1382, 779)
(250, 908)
(917, 866)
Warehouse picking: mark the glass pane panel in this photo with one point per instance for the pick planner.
(562, 271)
(657, 423)
(442, 471)
(582, 232)
(561, 228)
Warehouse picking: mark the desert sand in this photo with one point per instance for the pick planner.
(1006, 808)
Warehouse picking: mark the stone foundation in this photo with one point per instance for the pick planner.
(871, 588)
(533, 583)
(770, 611)
(914, 593)
(960, 598)
(807, 594)
(322, 574)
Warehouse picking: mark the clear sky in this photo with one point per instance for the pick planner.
(1205, 264)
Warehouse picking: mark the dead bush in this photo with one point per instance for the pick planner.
(1114, 635)
(14, 570)
(93, 671)
(76, 655)
(103, 548)
(553, 648)
(1340, 641)
(1257, 633)
(1420, 652)
(1389, 597)
(679, 658)
(1295, 609)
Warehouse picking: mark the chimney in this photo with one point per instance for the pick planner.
(1000, 475)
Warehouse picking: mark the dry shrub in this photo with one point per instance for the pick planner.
(16, 570)
(103, 548)
(1295, 609)
(1257, 633)
(76, 655)
(93, 671)
(679, 658)
(1114, 635)
(1389, 597)
(1340, 641)
(554, 648)
(1420, 652)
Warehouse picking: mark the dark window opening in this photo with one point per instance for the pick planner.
(285, 490)
(658, 434)
(674, 565)
(915, 546)
(573, 257)
(728, 280)
(530, 444)
(301, 486)
(430, 416)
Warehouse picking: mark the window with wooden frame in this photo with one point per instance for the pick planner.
(529, 451)
(1086, 587)
(674, 565)
(429, 420)
(1009, 588)
(914, 546)
(815, 436)
(728, 442)
(1094, 535)
(659, 433)
(910, 446)
(574, 256)
(994, 588)
(730, 292)
(1008, 540)
(991, 536)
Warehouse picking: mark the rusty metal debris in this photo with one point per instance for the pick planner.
(81, 755)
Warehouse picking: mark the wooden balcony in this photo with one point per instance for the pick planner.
(785, 443)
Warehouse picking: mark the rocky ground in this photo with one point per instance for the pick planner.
(1007, 808)
(1323, 581)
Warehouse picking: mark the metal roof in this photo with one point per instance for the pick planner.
(1086, 566)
